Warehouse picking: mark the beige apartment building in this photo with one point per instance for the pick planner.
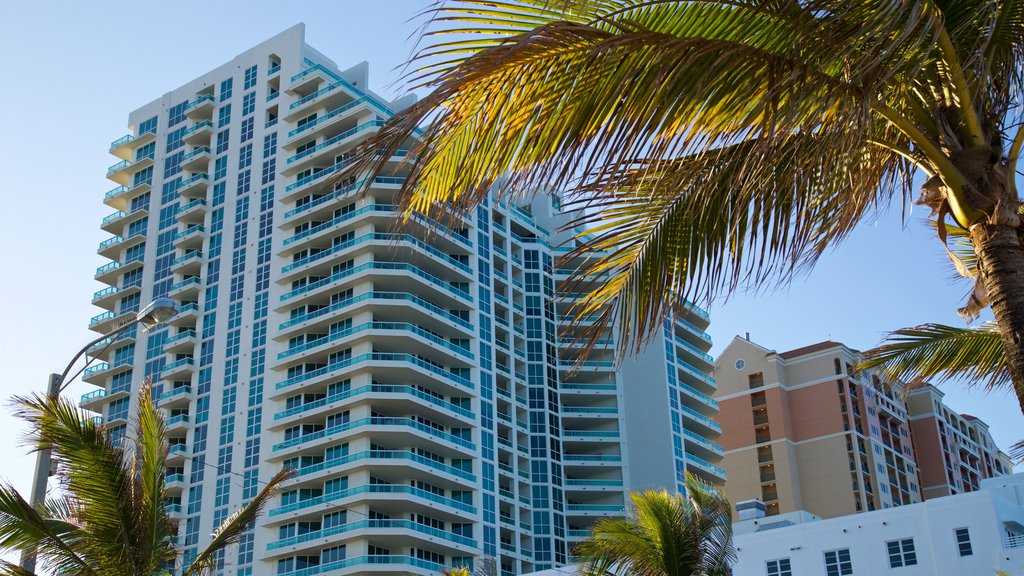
(801, 431)
(954, 452)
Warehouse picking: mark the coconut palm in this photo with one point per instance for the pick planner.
(110, 518)
(720, 144)
(486, 567)
(665, 535)
(938, 353)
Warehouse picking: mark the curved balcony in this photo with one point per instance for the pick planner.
(190, 238)
(379, 269)
(192, 212)
(391, 564)
(401, 300)
(379, 360)
(175, 397)
(331, 146)
(197, 159)
(372, 391)
(379, 527)
(376, 492)
(201, 108)
(380, 331)
(325, 204)
(379, 425)
(701, 420)
(379, 460)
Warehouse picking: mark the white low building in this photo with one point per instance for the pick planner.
(975, 533)
(970, 534)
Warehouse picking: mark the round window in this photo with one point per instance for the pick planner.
(740, 364)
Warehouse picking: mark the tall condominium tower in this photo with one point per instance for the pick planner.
(803, 431)
(955, 452)
(416, 377)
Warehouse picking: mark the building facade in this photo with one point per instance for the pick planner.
(419, 379)
(954, 452)
(969, 533)
(802, 431)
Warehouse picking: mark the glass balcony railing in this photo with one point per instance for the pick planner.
(127, 138)
(584, 482)
(94, 395)
(180, 336)
(707, 466)
(401, 266)
(380, 357)
(386, 455)
(384, 237)
(702, 397)
(191, 281)
(197, 127)
(371, 389)
(195, 153)
(338, 220)
(175, 392)
(375, 560)
(102, 318)
(338, 193)
(182, 363)
(101, 367)
(590, 433)
(105, 292)
(586, 386)
(595, 508)
(199, 176)
(398, 296)
(366, 489)
(199, 101)
(119, 166)
(592, 458)
(391, 326)
(588, 410)
(333, 139)
(177, 419)
(375, 421)
(692, 436)
(190, 255)
(193, 229)
(174, 479)
(701, 418)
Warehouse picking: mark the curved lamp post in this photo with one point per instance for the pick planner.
(157, 312)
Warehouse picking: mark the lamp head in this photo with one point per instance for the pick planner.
(157, 312)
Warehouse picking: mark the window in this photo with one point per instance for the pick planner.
(779, 567)
(838, 563)
(225, 89)
(963, 541)
(248, 103)
(901, 553)
(250, 77)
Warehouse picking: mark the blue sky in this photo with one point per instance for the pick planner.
(75, 69)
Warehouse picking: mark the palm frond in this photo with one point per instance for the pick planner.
(24, 529)
(571, 96)
(153, 543)
(938, 353)
(234, 526)
(93, 471)
(665, 535)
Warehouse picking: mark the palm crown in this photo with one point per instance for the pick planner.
(110, 519)
(716, 144)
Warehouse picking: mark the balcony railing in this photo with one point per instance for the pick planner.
(367, 489)
(371, 389)
(400, 266)
(386, 455)
(404, 296)
(375, 421)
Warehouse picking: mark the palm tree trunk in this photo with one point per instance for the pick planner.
(1001, 261)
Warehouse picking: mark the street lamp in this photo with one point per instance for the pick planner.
(155, 313)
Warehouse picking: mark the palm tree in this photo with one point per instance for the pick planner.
(486, 567)
(717, 144)
(665, 535)
(111, 517)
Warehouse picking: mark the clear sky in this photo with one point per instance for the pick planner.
(74, 70)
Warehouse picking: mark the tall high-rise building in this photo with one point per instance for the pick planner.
(418, 378)
(955, 452)
(804, 430)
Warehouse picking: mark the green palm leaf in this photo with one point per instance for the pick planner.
(111, 520)
(665, 535)
(937, 353)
